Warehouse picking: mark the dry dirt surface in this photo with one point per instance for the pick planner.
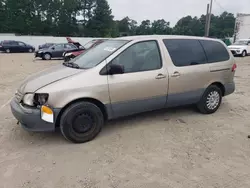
(175, 148)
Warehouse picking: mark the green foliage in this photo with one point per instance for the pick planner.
(94, 18)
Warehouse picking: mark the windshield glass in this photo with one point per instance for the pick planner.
(94, 56)
(241, 42)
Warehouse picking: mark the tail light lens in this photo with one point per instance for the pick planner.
(234, 67)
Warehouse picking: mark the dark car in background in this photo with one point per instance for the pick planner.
(9, 46)
(68, 55)
(46, 45)
(55, 51)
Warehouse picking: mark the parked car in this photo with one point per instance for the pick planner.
(55, 51)
(46, 45)
(240, 47)
(77, 44)
(9, 46)
(125, 76)
(68, 55)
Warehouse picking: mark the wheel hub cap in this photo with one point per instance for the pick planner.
(213, 100)
(83, 123)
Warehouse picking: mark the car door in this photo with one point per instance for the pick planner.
(144, 84)
(14, 47)
(69, 47)
(22, 47)
(58, 50)
(188, 71)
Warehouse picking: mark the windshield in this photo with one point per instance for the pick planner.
(94, 56)
(241, 42)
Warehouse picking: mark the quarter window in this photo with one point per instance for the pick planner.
(142, 56)
(185, 52)
(215, 51)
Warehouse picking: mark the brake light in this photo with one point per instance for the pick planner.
(234, 67)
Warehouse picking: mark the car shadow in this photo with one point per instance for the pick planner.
(113, 126)
(153, 116)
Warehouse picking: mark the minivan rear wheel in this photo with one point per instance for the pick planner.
(7, 50)
(81, 122)
(211, 100)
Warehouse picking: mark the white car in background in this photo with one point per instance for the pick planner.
(240, 47)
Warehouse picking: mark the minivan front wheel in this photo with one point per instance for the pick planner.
(46, 56)
(211, 100)
(81, 122)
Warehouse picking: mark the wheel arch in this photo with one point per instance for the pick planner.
(86, 99)
(219, 85)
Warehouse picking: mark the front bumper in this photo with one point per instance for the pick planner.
(236, 52)
(30, 118)
(38, 54)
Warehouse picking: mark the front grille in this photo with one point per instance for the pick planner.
(19, 96)
(233, 52)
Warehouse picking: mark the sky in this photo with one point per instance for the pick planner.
(173, 10)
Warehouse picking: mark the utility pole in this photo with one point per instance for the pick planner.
(209, 18)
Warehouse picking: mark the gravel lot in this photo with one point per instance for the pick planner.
(176, 148)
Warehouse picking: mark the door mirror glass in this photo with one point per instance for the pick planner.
(53, 48)
(115, 69)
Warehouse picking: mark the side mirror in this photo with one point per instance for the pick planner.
(115, 69)
(53, 48)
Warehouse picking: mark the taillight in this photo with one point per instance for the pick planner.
(234, 67)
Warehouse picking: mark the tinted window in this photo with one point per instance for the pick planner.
(185, 52)
(21, 44)
(59, 47)
(143, 56)
(215, 51)
(70, 46)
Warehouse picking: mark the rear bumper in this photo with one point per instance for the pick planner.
(30, 118)
(229, 88)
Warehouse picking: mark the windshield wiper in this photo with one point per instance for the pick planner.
(71, 64)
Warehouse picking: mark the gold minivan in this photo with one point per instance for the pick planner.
(125, 76)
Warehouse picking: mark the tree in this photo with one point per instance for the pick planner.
(161, 27)
(144, 28)
(101, 23)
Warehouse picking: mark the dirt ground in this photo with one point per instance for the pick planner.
(175, 148)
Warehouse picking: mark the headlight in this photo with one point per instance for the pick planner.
(28, 99)
(40, 99)
(68, 54)
(36, 99)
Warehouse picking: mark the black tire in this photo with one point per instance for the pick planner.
(7, 50)
(46, 56)
(244, 53)
(72, 118)
(204, 106)
(30, 50)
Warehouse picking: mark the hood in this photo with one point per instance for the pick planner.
(46, 77)
(237, 46)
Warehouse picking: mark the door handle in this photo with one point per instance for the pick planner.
(176, 74)
(160, 76)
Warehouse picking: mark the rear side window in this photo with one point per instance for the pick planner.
(215, 51)
(185, 52)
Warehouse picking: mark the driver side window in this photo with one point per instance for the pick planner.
(21, 44)
(59, 47)
(142, 56)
